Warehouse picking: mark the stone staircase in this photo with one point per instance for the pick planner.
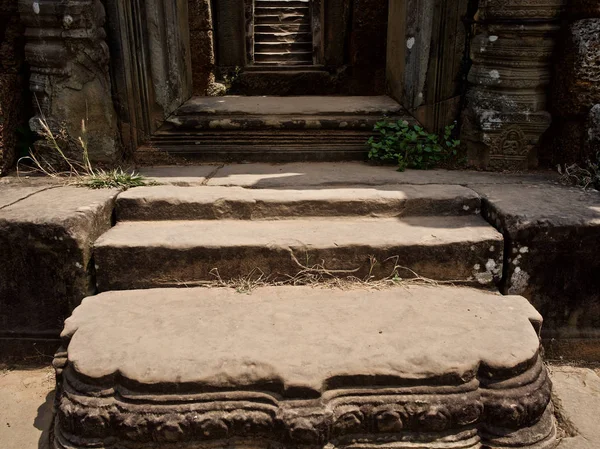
(419, 365)
(282, 33)
(275, 129)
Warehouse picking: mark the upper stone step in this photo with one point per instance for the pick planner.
(416, 367)
(206, 203)
(147, 254)
(304, 105)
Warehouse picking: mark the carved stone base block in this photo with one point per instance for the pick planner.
(506, 111)
(418, 367)
(70, 80)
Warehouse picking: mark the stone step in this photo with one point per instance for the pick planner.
(281, 3)
(378, 106)
(276, 17)
(283, 47)
(185, 253)
(283, 28)
(283, 57)
(276, 129)
(283, 37)
(410, 367)
(206, 203)
(278, 124)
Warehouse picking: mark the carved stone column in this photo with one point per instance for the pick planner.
(507, 110)
(70, 78)
(576, 93)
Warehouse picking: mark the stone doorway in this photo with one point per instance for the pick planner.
(410, 50)
(298, 47)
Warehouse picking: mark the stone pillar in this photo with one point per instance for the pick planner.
(507, 101)
(70, 79)
(576, 93)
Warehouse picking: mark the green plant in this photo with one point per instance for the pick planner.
(230, 79)
(115, 178)
(65, 157)
(411, 146)
(586, 176)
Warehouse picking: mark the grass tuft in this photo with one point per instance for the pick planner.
(116, 178)
(57, 162)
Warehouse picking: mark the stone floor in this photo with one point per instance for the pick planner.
(26, 396)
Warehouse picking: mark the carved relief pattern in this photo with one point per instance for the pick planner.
(90, 416)
(69, 58)
(512, 51)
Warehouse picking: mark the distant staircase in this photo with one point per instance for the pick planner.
(282, 33)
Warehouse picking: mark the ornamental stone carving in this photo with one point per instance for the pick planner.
(487, 411)
(507, 107)
(70, 80)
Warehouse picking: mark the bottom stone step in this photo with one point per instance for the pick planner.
(416, 367)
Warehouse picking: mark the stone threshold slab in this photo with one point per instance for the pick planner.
(435, 367)
(327, 174)
(196, 203)
(172, 253)
(301, 105)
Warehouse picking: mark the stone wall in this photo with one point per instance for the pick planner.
(367, 48)
(12, 85)
(202, 44)
(575, 136)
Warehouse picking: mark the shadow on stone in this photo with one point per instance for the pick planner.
(44, 420)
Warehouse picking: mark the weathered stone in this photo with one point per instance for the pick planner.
(11, 194)
(202, 45)
(205, 203)
(46, 266)
(326, 175)
(304, 105)
(290, 83)
(425, 58)
(151, 68)
(506, 111)
(215, 366)
(592, 138)
(583, 9)
(70, 80)
(565, 141)
(203, 61)
(578, 84)
(231, 33)
(577, 393)
(12, 85)
(369, 26)
(11, 116)
(250, 128)
(170, 253)
(551, 256)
